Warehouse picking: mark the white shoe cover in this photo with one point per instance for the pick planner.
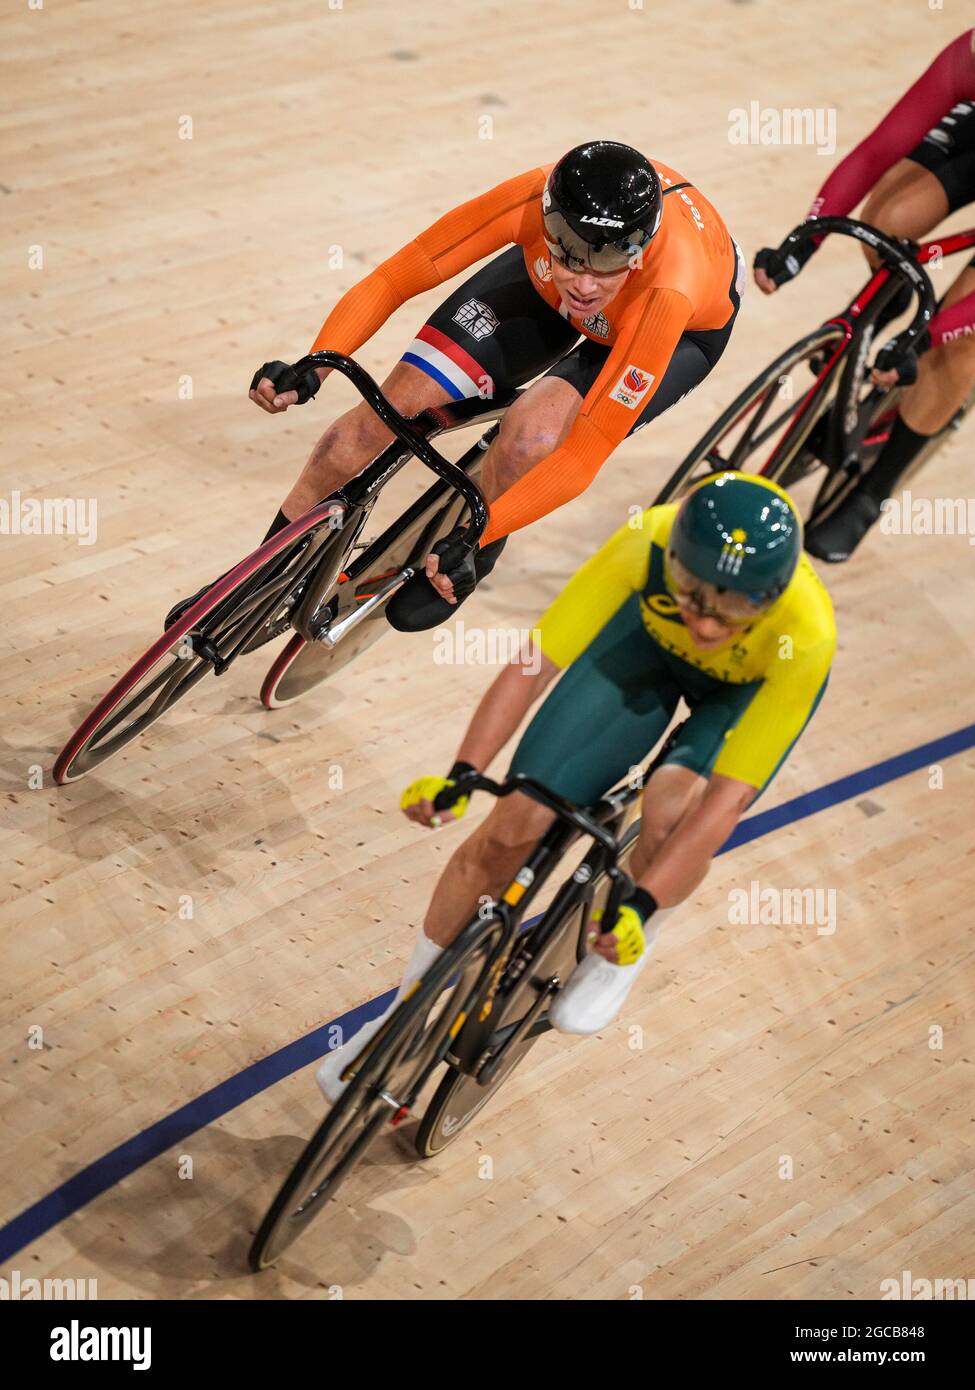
(425, 952)
(336, 1061)
(594, 994)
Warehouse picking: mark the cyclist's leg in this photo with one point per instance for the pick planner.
(946, 374)
(609, 709)
(356, 437)
(676, 788)
(936, 178)
(919, 191)
(946, 377)
(907, 201)
(483, 866)
(671, 794)
(493, 333)
(597, 989)
(477, 871)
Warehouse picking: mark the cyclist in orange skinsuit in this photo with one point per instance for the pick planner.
(654, 307)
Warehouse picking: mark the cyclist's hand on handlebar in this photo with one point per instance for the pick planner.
(895, 366)
(419, 798)
(275, 386)
(764, 281)
(450, 566)
(773, 268)
(625, 944)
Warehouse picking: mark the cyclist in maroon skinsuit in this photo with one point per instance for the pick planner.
(920, 165)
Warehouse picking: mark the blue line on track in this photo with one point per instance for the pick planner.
(112, 1167)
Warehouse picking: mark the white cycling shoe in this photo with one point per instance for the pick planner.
(330, 1070)
(594, 994)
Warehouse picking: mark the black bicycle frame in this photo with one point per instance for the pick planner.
(899, 264)
(846, 431)
(409, 434)
(359, 494)
(469, 1051)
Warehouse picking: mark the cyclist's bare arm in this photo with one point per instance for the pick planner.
(502, 708)
(949, 79)
(685, 856)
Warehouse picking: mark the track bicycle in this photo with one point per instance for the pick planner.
(477, 1012)
(318, 577)
(821, 439)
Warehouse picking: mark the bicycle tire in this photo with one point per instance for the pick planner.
(184, 654)
(369, 1088)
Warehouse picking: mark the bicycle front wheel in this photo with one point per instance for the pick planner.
(388, 1076)
(554, 948)
(769, 428)
(243, 609)
(302, 665)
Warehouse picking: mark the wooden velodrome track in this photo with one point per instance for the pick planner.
(166, 261)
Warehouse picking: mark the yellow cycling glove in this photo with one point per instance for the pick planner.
(429, 788)
(628, 932)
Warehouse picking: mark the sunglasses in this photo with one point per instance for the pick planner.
(727, 606)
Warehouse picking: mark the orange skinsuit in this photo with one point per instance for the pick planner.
(683, 284)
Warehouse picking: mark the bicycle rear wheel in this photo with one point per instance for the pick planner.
(389, 1075)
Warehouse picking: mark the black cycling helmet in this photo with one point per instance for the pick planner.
(601, 206)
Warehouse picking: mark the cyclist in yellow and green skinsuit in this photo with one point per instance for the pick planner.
(711, 601)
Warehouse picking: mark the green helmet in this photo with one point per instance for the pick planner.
(738, 532)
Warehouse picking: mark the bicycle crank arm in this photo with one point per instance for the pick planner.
(331, 636)
(488, 1072)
